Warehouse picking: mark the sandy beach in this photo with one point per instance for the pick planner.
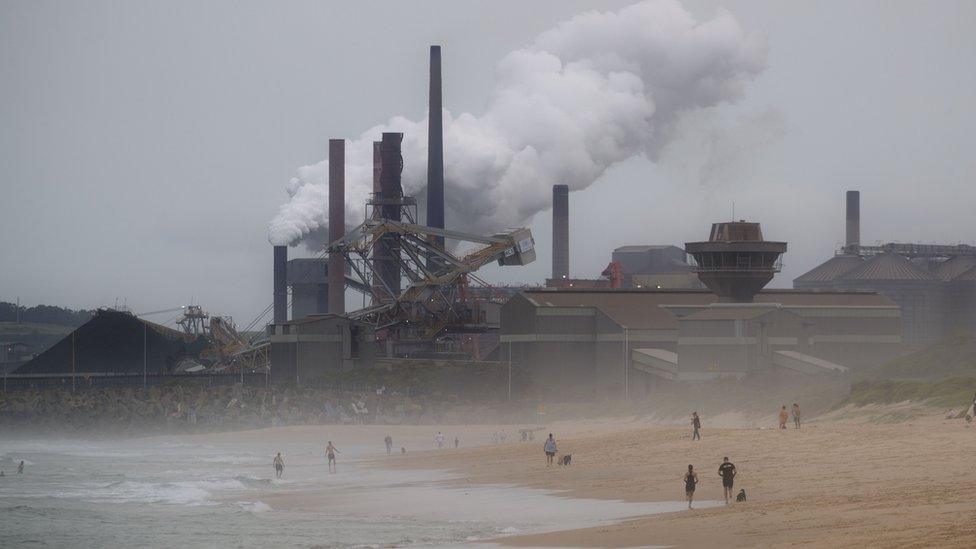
(835, 482)
(888, 476)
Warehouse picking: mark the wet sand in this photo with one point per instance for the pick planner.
(833, 483)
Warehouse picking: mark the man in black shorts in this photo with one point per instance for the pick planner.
(727, 471)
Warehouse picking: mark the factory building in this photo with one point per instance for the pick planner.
(655, 267)
(934, 285)
(305, 349)
(308, 279)
(613, 342)
(586, 340)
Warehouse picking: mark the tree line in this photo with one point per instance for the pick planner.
(44, 314)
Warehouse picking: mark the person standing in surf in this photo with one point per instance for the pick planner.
(389, 444)
(784, 416)
(330, 452)
(696, 425)
(796, 416)
(691, 479)
(279, 465)
(550, 450)
(439, 439)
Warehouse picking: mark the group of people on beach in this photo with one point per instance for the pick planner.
(439, 440)
(330, 453)
(784, 417)
(726, 470)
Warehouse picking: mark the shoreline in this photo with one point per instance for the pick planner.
(844, 479)
(835, 482)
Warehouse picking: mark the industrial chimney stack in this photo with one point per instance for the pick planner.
(391, 193)
(435, 148)
(337, 224)
(560, 232)
(853, 240)
(280, 284)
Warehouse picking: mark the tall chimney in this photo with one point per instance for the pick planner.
(280, 284)
(853, 240)
(391, 192)
(375, 214)
(377, 166)
(337, 224)
(435, 148)
(560, 231)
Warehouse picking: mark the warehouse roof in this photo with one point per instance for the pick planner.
(832, 269)
(957, 267)
(889, 266)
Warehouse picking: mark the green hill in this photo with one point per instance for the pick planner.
(953, 357)
(37, 336)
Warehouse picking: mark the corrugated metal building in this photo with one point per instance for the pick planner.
(934, 302)
(959, 276)
(583, 340)
(308, 348)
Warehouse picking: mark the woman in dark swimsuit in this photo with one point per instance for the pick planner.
(691, 479)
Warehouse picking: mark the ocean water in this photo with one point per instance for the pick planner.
(170, 493)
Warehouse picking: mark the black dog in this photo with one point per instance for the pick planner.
(741, 497)
(566, 460)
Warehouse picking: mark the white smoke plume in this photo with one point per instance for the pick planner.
(597, 89)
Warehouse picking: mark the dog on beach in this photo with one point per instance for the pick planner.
(566, 460)
(741, 496)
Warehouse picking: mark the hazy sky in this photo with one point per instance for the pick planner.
(144, 147)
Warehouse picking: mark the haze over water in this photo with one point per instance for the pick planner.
(172, 491)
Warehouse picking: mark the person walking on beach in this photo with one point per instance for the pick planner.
(389, 444)
(330, 452)
(440, 440)
(457, 442)
(696, 424)
(727, 471)
(691, 479)
(20, 468)
(796, 416)
(550, 449)
(279, 465)
(783, 417)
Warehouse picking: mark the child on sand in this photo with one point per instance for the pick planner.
(691, 479)
(783, 417)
